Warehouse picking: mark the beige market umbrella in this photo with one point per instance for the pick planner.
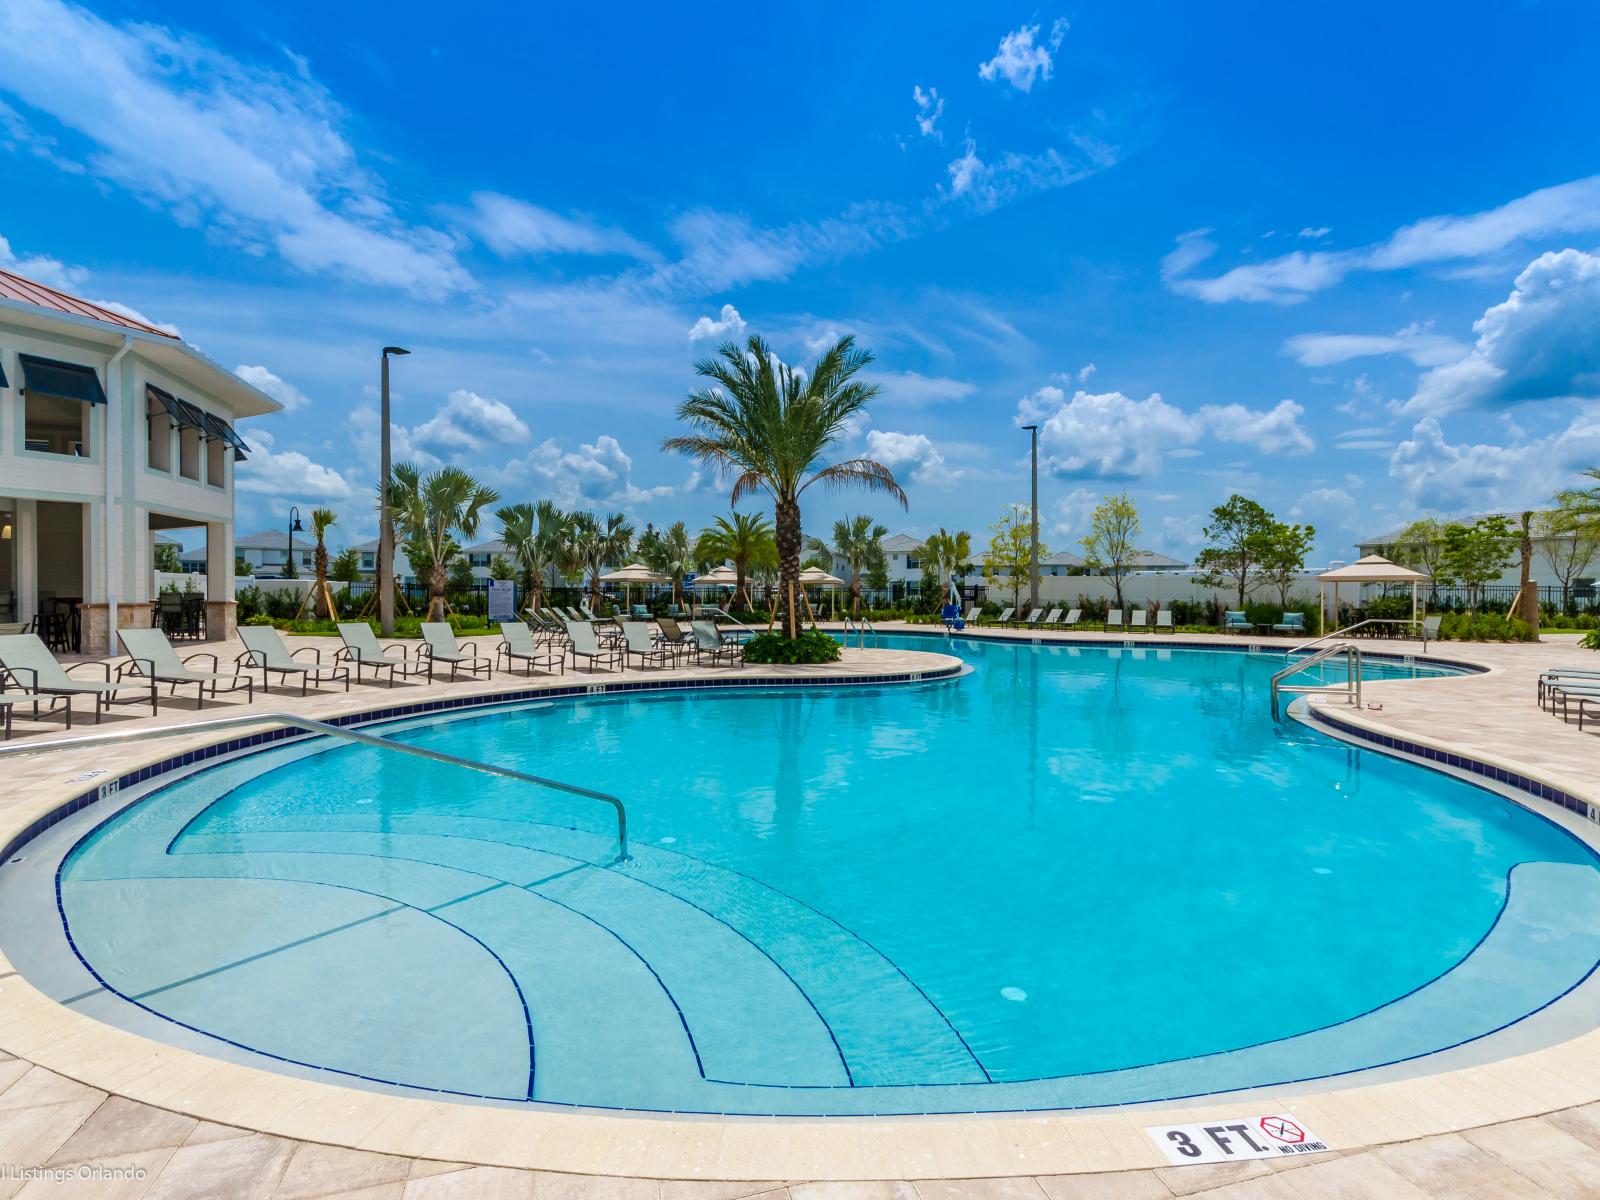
(817, 577)
(631, 574)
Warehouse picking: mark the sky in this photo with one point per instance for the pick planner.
(1343, 258)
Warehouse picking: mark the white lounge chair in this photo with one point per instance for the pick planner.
(1052, 618)
(586, 645)
(439, 645)
(363, 650)
(1005, 615)
(639, 642)
(151, 655)
(518, 645)
(1074, 615)
(1164, 618)
(264, 650)
(1114, 619)
(1138, 619)
(28, 663)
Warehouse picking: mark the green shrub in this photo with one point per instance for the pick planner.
(812, 646)
(1483, 627)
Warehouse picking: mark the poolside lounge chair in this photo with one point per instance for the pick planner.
(586, 645)
(1074, 615)
(264, 649)
(676, 636)
(709, 641)
(1164, 618)
(1236, 622)
(972, 614)
(10, 700)
(1138, 619)
(517, 643)
(1114, 619)
(638, 642)
(439, 645)
(1430, 627)
(1005, 616)
(1031, 621)
(28, 663)
(361, 647)
(1292, 622)
(1573, 677)
(1052, 618)
(152, 656)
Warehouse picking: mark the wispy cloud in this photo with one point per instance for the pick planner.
(1416, 341)
(1022, 58)
(252, 152)
(929, 109)
(509, 226)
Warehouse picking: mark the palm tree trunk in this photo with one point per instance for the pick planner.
(436, 579)
(787, 535)
(322, 600)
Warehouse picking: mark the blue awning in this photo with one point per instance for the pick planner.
(183, 414)
(4, 382)
(63, 380)
(219, 429)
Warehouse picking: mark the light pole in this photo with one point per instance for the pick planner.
(1033, 512)
(289, 571)
(385, 514)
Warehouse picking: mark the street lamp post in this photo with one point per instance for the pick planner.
(1033, 512)
(385, 513)
(289, 571)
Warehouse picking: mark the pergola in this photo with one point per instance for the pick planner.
(1374, 568)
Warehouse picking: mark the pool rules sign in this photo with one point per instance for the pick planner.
(1235, 1138)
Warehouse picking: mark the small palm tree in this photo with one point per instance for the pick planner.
(594, 546)
(857, 543)
(771, 427)
(950, 554)
(534, 535)
(427, 508)
(743, 539)
(322, 519)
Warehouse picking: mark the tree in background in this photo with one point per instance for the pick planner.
(1111, 546)
(743, 539)
(1285, 556)
(674, 557)
(1010, 549)
(596, 546)
(1477, 554)
(242, 567)
(166, 558)
(1239, 537)
(535, 536)
(499, 568)
(346, 566)
(1569, 545)
(322, 520)
(1420, 546)
(858, 544)
(427, 509)
(948, 555)
(771, 427)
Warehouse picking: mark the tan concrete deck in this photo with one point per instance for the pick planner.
(77, 1092)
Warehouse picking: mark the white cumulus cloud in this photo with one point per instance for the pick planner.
(912, 453)
(727, 326)
(1022, 59)
(595, 475)
(281, 390)
(287, 473)
(469, 424)
(1439, 475)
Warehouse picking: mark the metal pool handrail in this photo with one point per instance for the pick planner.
(336, 731)
(1352, 683)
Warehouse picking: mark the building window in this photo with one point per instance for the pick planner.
(58, 400)
(913, 564)
(158, 432)
(216, 462)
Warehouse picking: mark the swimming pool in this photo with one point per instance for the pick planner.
(1076, 876)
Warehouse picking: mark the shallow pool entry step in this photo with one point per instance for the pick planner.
(827, 911)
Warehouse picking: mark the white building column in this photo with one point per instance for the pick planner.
(27, 536)
(220, 608)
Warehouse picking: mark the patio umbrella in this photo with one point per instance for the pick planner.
(817, 577)
(631, 574)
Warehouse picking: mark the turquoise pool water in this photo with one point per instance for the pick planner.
(1074, 876)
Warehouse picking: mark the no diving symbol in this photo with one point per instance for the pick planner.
(1283, 1129)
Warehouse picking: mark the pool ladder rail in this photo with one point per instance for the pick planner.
(1351, 687)
(334, 731)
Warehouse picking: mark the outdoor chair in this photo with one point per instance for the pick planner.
(585, 644)
(363, 650)
(1138, 619)
(169, 606)
(9, 702)
(638, 643)
(676, 636)
(1114, 619)
(1074, 615)
(1236, 622)
(1005, 615)
(1164, 618)
(28, 663)
(709, 642)
(264, 650)
(439, 646)
(1430, 627)
(1032, 619)
(1052, 618)
(151, 655)
(518, 644)
(972, 615)
(640, 612)
(1292, 622)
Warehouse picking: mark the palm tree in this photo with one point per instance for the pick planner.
(857, 543)
(770, 426)
(743, 539)
(595, 546)
(949, 553)
(535, 535)
(426, 509)
(677, 558)
(322, 519)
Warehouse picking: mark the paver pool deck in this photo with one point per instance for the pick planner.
(78, 1094)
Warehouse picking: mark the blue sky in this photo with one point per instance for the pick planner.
(1344, 258)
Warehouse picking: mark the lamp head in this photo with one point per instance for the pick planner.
(297, 527)
(388, 350)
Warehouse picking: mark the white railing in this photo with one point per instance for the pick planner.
(1351, 686)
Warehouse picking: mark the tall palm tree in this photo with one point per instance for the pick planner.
(857, 543)
(535, 535)
(949, 553)
(743, 539)
(427, 508)
(677, 558)
(771, 427)
(594, 546)
(322, 519)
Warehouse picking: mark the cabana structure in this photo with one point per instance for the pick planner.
(1374, 568)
